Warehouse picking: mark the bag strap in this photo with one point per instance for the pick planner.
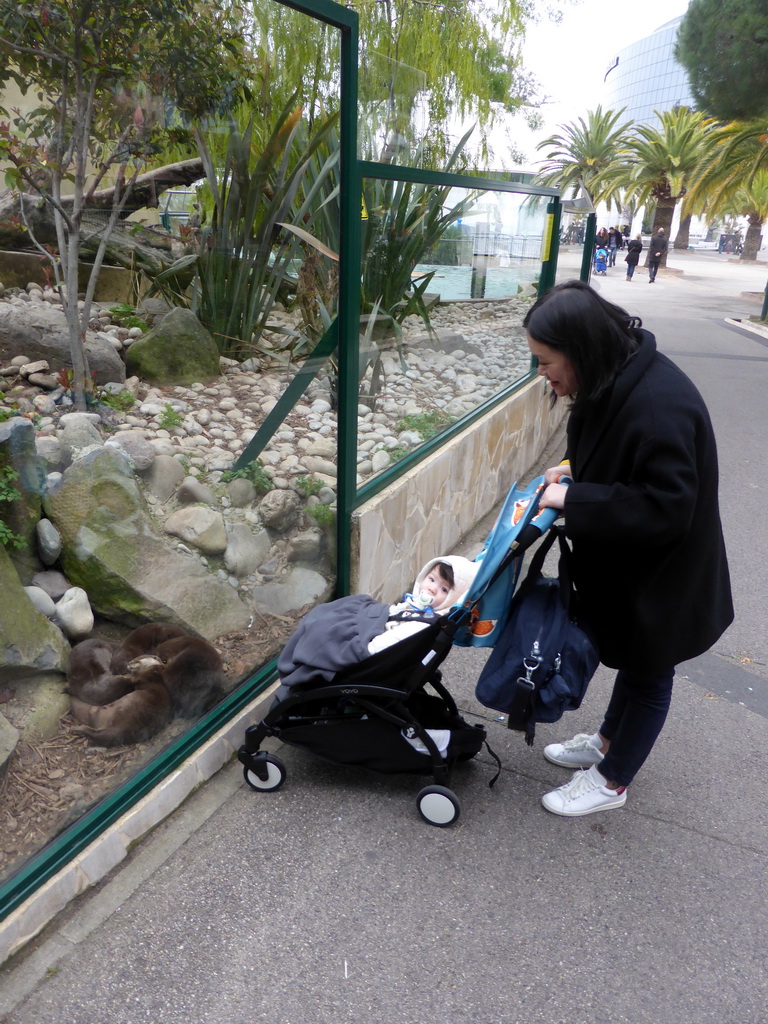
(564, 572)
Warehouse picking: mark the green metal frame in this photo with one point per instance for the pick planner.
(345, 334)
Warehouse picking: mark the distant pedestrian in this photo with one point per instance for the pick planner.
(656, 251)
(615, 242)
(601, 239)
(634, 248)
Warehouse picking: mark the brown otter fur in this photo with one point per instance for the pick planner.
(133, 718)
(144, 640)
(193, 674)
(89, 674)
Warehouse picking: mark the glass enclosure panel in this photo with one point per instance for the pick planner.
(393, 116)
(571, 253)
(188, 514)
(447, 277)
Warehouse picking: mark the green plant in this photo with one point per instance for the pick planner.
(308, 486)
(127, 316)
(324, 515)
(121, 401)
(397, 453)
(7, 414)
(9, 493)
(428, 424)
(170, 418)
(249, 248)
(405, 221)
(254, 473)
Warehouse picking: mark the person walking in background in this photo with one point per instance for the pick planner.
(601, 240)
(615, 242)
(634, 248)
(649, 562)
(657, 248)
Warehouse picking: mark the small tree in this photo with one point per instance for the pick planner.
(723, 45)
(111, 80)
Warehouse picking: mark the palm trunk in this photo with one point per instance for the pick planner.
(665, 211)
(683, 233)
(752, 240)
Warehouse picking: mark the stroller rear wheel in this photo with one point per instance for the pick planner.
(438, 806)
(264, 772)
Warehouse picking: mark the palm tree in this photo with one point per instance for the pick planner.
(581, 152)
(657, 163)
(735, 180)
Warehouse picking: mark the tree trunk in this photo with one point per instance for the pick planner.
(665, 211)
(752, 240)
(682, 237)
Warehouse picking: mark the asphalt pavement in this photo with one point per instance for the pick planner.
(331, 902)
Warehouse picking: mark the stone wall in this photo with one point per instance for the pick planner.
(430, 509)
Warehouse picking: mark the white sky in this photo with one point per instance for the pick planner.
(570, 59)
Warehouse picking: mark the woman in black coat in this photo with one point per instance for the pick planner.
(649, 560)
(634, 248)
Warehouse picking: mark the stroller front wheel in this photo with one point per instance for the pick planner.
(265, 773)
(438, 806)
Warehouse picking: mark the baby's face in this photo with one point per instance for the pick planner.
(437, 588)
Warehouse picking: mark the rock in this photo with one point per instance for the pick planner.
(192, 490)
(29, 643)
(9, 737)
(18, 453)
(50, 450)
(48, 542)
(280, 510)
(380, 461)
(301, 587)
(201, 527)
(241, 492)
(131, 574)
(41, 601)
(163, 476)
(79, 431)
(316, 464)
(74, 615)
(42, 333)
(54, 583)
(246, 550)
(178, 351)
(136, 446)
(305, 547)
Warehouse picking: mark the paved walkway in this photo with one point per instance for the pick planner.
(330, 902)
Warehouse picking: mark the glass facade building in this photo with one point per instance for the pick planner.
(645, 76)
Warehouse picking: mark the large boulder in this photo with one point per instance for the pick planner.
(178, 351)
(40, 331)
(29, 643)
(21, 515)
(131, 573)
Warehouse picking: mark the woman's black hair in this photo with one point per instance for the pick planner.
(596, 336)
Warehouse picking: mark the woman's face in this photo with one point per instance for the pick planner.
(556, 367)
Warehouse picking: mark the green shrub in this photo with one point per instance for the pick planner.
(9, 493)
(170, 418)
(122, 401)
(308, 486)
(254, 472)
(428, 424)
(127, 316)
(324, 515)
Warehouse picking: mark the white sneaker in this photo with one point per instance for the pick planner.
(581, 752)
(585, 793)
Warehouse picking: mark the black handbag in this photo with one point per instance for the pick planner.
(545, 657)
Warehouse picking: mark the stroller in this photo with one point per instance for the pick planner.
(601, 261)
(377, 713)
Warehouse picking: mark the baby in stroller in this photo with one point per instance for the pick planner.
(333, 636)
(601, 261)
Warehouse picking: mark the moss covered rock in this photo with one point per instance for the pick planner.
(132, 574)
(178, 351)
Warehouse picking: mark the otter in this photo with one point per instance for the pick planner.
(89, 674)
(133, 718)
(143, 640)
(193, 674)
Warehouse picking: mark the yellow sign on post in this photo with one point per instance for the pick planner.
(364, 213)
(546, 241)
